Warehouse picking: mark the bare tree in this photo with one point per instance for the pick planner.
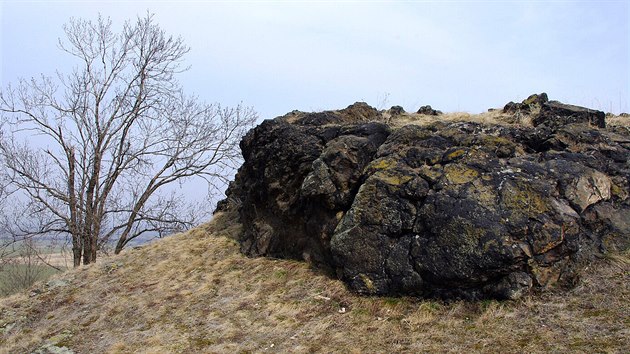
(92, 151)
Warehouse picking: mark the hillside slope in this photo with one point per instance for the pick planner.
(194, 292)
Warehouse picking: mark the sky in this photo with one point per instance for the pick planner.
(278, 56)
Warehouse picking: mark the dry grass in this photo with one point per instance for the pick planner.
(492, 117)
(613, 120)
(195, 292)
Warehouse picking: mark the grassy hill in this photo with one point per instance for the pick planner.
(194, 292)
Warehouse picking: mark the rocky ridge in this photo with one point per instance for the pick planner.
(446, 209)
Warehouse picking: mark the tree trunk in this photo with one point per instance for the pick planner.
(74, 230)
(93, 247)
(87, 255)
(76, 253)
(120, 245)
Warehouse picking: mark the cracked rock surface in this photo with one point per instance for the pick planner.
(451, 210)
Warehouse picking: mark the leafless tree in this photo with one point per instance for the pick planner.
(92, 151)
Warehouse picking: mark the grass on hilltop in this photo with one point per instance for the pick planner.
(194, 292)
(495, 116)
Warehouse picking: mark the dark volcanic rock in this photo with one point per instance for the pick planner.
(298, 177)
(533, 103)
(396, 110)
(447, 210)
(557, 113)
(428, 110)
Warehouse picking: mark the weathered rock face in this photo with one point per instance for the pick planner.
(301, 172)
(449, 209)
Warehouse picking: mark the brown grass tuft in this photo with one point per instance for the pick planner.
(619, 121)
(194, 292)
(492, 117)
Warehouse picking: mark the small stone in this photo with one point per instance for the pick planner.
(56, 283)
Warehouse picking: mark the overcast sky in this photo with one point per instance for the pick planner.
(314, 55)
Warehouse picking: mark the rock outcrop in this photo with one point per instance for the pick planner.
(396, 110)
(457, 209)
(428, 110)
(554, 113)
(557, 113)
(531, 104)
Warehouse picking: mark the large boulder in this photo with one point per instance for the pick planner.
(448, 210)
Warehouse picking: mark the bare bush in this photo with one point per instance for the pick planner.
(21, 265)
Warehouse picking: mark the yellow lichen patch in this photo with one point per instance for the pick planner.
(453, 155)
(383, 164)
(459, 174)
(617, 191)
(477, 154)
(393, 179)
(369, 284)
(531, 99)
(430, 173)
(496, 141)
(523, 198)
(486, 194)
(500, 145)
(435, 159)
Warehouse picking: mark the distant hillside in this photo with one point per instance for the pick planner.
(194, 292)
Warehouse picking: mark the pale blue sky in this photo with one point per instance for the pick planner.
(313, 55)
